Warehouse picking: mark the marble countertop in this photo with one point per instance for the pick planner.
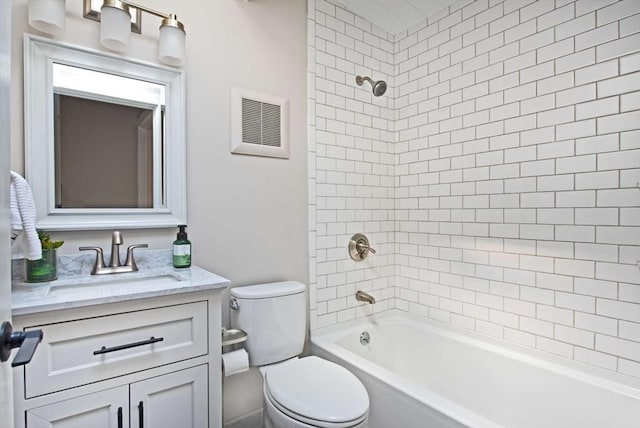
(82, 289)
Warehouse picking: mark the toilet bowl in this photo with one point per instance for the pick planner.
(307, 392)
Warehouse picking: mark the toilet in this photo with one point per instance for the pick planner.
(298, 392)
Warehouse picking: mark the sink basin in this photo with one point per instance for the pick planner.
(109, 285)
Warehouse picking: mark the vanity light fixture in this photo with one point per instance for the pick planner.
(115, 19)
(115, 25)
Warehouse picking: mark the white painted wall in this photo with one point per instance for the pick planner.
(516, 169)
(247, 215)
(6, 387)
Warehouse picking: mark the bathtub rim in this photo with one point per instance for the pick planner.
(325, 338)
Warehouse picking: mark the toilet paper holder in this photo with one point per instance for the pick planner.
(233, 336)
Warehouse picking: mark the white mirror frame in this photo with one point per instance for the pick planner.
(40, 54)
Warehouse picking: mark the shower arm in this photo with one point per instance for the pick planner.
(360, 80)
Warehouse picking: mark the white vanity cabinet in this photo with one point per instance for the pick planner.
(143, 363)
(177, 399)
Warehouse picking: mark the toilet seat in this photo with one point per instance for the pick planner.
(307, 422)
(317, 392)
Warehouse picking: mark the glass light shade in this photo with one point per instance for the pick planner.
(172, 45)
(47, 15)
(115, 28)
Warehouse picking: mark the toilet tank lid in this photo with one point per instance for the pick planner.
(268, 290)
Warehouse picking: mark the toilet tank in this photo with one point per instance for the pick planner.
(274, 317)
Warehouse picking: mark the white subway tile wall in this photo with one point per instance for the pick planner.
(499, 176)
(351, 162)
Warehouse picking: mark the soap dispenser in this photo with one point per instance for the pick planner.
(182, 249)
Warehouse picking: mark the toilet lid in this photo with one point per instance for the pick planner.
(317, 391)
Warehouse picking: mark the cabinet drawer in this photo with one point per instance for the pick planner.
(89, 350)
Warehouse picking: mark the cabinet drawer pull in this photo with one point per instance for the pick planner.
(120, 418)
(105, 350)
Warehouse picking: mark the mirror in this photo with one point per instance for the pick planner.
(104, 139)
(105, 124)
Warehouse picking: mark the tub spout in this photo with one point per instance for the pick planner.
(361, 296)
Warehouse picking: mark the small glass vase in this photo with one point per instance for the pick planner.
(44, 269)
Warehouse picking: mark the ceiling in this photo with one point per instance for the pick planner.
(395, 16)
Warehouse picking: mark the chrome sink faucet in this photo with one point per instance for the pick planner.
(115, 266)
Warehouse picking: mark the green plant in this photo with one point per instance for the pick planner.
(46, 242)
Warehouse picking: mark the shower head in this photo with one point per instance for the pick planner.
(379, 87)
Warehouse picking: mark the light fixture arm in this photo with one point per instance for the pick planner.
(169, 20)
(148, 10)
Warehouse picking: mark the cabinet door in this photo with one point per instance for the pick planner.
(178, 399)
(105, 409)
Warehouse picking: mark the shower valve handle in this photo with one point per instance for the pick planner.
(363, 247)
(359, 247)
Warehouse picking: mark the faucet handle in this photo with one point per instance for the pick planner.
(130, 259)
(359, 247)
(363, 247)
(99, 264)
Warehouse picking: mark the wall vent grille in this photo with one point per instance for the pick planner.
(259, 124)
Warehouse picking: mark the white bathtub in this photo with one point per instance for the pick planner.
(424, 374)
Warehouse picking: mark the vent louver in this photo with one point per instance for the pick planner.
(260, 123)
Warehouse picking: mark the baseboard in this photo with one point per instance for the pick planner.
(249, 420)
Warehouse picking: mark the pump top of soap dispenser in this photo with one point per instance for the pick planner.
(182, 234)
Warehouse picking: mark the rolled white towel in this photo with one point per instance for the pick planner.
(23, 218)
(16, 218)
